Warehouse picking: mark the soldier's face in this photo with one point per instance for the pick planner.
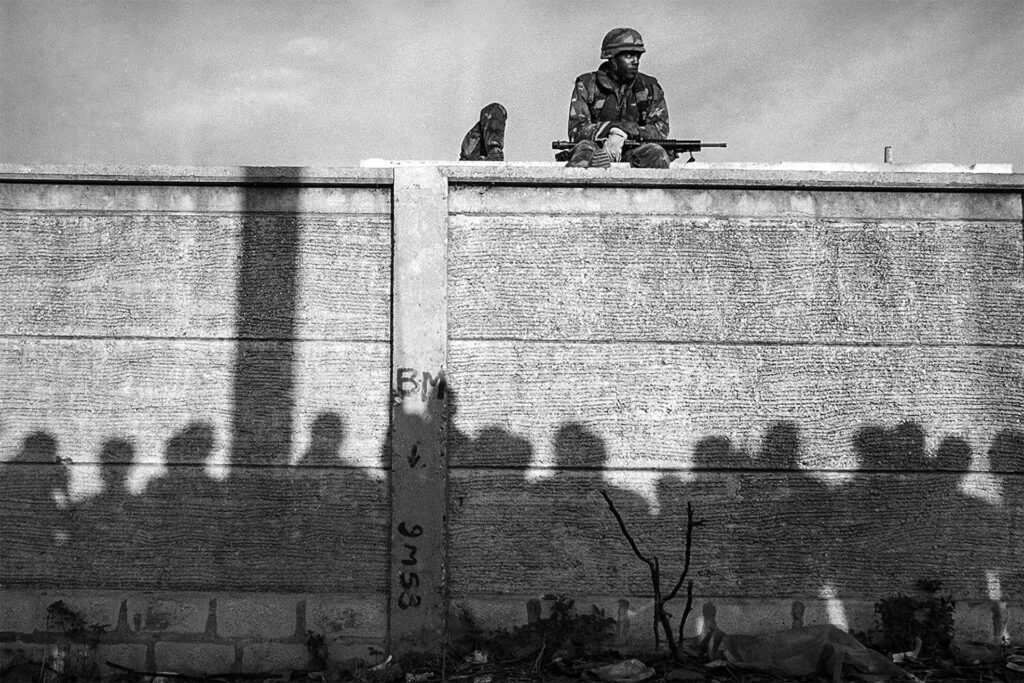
(625, 65)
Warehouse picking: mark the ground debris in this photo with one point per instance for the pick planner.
(685, 675)
(126, 674)
(585, 665)
(626, 671)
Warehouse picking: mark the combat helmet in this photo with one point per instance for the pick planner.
(621, 40)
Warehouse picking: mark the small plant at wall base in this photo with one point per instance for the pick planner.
(73, 657)
(563, 634)
(928, 615)
(316, 645)
(566, 629)
(662, 619)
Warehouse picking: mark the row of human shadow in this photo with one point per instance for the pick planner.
(319, 525)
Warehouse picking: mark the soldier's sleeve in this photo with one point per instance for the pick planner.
(581, 125)
(657, 115)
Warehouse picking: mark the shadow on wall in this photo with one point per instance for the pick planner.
(772, 528)
(313, 526)
(269, 525)
(265, 320)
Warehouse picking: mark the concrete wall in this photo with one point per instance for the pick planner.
(193, 412)
(828, 366)
(201, 370)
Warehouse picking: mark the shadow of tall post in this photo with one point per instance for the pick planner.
(263, 395)
(265, 327)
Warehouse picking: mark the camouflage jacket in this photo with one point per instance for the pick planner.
(597, 100)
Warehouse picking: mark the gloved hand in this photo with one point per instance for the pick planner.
(613, 145)
(631, 129)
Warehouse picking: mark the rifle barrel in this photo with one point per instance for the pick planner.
(695, 145)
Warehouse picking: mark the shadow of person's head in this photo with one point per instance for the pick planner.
(577, 446)
(953, 454)
(116, 456)
(49, 474)
(782, 444)
(326, 436)
(38, 447)
(1006, 454)
(193, 445)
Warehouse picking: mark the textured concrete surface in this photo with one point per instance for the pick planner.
(827, 364)
(694, 278)
(201, 367)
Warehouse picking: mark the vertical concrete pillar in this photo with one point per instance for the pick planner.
(419, 356)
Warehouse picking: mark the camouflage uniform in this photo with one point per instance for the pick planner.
(598, 101)
(485, 141)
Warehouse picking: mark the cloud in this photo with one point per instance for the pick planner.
(314, 47)
(212, 84)
(242, 95)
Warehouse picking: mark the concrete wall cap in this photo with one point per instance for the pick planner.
(697, 174)
(197, 175)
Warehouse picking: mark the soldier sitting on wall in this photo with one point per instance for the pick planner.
(618, 103)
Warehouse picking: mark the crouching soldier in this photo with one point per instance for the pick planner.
(618, 103)
(485, 141)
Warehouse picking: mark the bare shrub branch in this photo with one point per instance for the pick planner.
(661, 616)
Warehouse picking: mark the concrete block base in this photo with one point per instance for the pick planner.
(195, 658)
(983, 621)
(278, 657)
(132, 656)
(15, 652)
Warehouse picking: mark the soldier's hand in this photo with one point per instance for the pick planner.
(613, 145)
(629, 128)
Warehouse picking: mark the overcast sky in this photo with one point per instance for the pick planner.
(223, 83)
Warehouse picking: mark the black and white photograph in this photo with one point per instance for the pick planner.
(511, 341)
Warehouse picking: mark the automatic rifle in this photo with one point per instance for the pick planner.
(673, 147)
